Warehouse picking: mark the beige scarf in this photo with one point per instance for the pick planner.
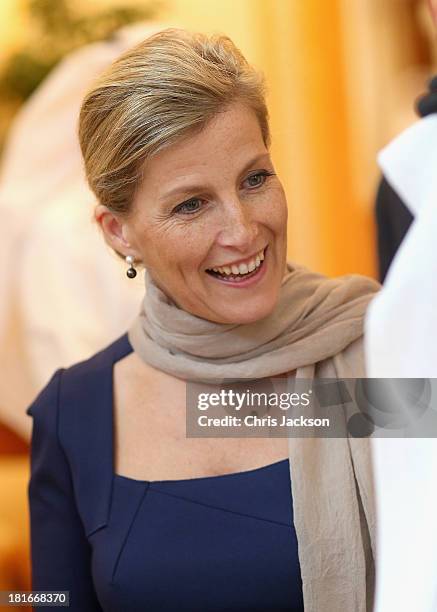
(316, 329)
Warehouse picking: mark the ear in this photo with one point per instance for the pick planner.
(115, 230)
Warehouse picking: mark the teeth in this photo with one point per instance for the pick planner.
(242, 268)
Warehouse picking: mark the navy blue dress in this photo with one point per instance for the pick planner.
(218, 543)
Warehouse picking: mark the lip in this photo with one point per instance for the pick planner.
(252, 280)
(236, 263)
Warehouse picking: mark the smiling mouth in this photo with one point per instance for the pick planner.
(236, 273)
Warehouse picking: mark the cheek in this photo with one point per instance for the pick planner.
(283, 215)
(192, 248)
(276, 212)
(179, 246)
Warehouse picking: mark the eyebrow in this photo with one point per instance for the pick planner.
(186, 190)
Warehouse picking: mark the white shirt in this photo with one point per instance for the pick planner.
(401, 342)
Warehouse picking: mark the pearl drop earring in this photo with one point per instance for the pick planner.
(131, 272)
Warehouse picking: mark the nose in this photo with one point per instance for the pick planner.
(238, 228)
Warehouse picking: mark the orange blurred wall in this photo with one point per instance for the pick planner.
(331, 228)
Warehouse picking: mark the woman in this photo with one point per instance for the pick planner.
(175, 139)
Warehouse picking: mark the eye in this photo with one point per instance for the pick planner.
(259, 178)
(193, 205)
(189, 207)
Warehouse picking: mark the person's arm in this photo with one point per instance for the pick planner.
(60, 551)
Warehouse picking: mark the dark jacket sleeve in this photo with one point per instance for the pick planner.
(393, 219)
(60, 551)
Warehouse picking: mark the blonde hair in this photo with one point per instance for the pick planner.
(167, 87)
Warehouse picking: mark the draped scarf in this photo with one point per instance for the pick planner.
(315, 330)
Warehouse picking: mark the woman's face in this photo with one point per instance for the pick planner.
(212, 202)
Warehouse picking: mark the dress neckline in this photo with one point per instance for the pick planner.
(124, 339)
(229, 475)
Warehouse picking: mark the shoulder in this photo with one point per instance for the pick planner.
(74, 409)
(80, 378)
(72, 434)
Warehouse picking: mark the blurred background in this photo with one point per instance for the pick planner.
(343, 77)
